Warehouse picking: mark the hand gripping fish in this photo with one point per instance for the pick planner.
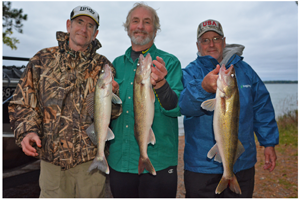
(226, 108)
(99, 107)
(143, 101)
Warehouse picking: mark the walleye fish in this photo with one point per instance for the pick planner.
(226, 108)
(99, 107)
(143, 101)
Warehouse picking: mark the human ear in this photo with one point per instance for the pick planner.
(68, 25)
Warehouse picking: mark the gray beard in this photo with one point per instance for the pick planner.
(145, 41)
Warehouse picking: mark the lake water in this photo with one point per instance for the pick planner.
(284, 98)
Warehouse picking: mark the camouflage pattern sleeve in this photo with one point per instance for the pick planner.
(24, 112)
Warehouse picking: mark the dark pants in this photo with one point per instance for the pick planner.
(129, 185)
(199, 185)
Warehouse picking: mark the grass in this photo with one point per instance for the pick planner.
(288, 131)
(288, 128)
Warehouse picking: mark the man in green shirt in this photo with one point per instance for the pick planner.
(141, 25)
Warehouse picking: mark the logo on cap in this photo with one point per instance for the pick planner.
(87, 8)
(209, 25)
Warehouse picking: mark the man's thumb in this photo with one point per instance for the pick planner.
(216, 70)
(37, 141)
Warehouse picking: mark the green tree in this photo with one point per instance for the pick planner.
(11, 20)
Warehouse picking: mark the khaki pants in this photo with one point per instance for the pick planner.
(74, 182)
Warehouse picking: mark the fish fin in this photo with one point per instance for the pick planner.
(239, 151)
(218, 158)
(90, 104)
(151, 138)
(99, 163)
(209, 104)
(214, 152)
(234, 185)
(90, 131)
(115, 99)
(152, 96)
(110, 135)
(145, 163)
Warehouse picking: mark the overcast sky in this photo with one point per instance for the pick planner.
(268, 30)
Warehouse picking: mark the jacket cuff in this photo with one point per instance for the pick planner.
(21, 137)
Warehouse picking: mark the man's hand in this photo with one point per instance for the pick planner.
(270, 158)
(209, 82)
(158, 73)
(115, 86)
(27, 143)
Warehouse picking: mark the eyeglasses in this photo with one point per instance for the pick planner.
(206, 41)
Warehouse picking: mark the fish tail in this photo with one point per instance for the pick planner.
(222, 185)
(233, 185)
(99, 163)
(145, 163)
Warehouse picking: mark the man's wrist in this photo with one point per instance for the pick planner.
(160, 83)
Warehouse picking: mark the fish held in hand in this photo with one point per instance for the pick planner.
(99, 107)
(228, 148)
(143, 100)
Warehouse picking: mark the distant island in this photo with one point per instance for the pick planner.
(280, 82)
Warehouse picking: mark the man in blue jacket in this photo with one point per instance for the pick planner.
(202, 174)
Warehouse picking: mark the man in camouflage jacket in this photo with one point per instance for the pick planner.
(50, 99)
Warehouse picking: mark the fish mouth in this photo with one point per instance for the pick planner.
(106, 74)
(222, 77)
(145, 60)
(228, 71)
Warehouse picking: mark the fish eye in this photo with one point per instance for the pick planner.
(102, 71)
(232, 75)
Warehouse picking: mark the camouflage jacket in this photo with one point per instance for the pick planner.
(50, 100)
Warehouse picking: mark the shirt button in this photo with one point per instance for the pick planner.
(133, 69)
(127, 111)
(131, 83)
(129, 97)
(126, 126)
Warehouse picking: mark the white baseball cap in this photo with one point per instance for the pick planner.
(85, 11)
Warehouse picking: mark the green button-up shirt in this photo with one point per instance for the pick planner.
(124, 149)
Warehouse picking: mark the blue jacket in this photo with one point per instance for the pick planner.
(256, 115)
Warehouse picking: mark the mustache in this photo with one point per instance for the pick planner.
(140, 31)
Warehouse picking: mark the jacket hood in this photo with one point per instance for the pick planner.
(63, 43)
(230, 50)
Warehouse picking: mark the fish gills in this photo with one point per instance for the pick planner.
(226, 109)
(143, 100)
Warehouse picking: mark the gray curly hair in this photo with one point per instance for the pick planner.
(143, 5)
